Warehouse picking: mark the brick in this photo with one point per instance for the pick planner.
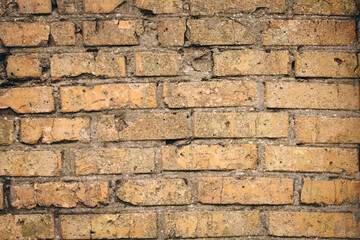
(313, 224)
(63, 33)
(209, 157)
(28, 100)
(160, 7)
(205, 7)
(34, 6)
(30, 163)
(3, 7)
(108, 126)
(1, 196)
(34, 226)
(112, 96)
(210, 94)
(157, 64)
(327, 64)
(171, 32)
(59, 194)
(251, 191)
(327, 130)
(6, 131)
(101, 226)
(67, 6)
(239, 125)
(114, 32)
(50, 130)
(101, 6)
(310, 159)
(212, 224)
(330, 192)
(218, 32)
(309, 32)
(325, 7)
(251, 62)
(24, 34)
(76, 64)
(312, 95)
(114, 161)
(22, 67)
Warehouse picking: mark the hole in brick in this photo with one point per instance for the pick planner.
(338, 60)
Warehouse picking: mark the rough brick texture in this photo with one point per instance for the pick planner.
(6, 131)
(20, 67)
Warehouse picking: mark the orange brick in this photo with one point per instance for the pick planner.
(157, 64)
(218, 32)
(251, 62)
(114, 32)
(312, 95)
(21, 34)
(34, 6)
(63, 33)
(212, 224)
(309, 32)
(228, 190)
(306, 159)
(34, 226)
(101, 6)
(313, 224)
(50, 130)
(27, 100)
(1, 197)
(155, 192)
(210, 94)
(327, 64)
(209, 157)
(239, 125)
(67, 6)
(159, 7)
(326, 7)
(114, 161)
(327, 130)
(204, 7)
(21, 67)
(30, 163)
(59, 194)
(331, 192)
(171, 32)
(113, 96)
(6, 131)
(101, 226)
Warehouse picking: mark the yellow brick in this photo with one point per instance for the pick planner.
(326, 7)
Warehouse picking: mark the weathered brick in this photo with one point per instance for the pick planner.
(1, 197)
(203, 7)
(67, 6)
(110, 65)
(218, 32)
(159, 7)
(114, 32)
(229, 190)
(21, 67)
(327, 64)
(6, 131)
(155, 192)
(34, 6)
(212, 224)
(157, 64)
(313, 224)
(20, 34)
(108, 127)
(101, 6)
(209, 157)
(30, 163)
(327, 130)
(34, 226)
(113, 96)
(27, 100)
(114, 161)
(309, 32)
(3, 7)
(101, 226)
(312, 95)
(59, 194)
(326, 7)
(50, 130)
(238, 125)
(309, 159)
(251, 62)
(63, 33)
(331, 192)
(210, 94)
(171, 32)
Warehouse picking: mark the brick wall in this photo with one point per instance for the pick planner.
(229, 119)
